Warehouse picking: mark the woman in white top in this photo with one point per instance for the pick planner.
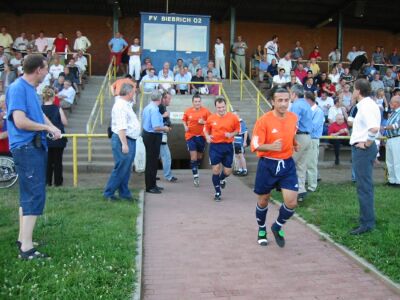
(334, 76)
(134, 61)
(219, 54)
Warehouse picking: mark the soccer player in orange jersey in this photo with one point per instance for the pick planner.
(194, 119)
(220, 130)
(274, 141)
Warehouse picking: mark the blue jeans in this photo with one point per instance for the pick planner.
(363, 163)
(165, 155)
(353, 174)
(121, 173)
(31, 164)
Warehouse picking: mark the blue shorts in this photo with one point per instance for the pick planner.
(221, 153)
(273, 173)
(196, 143)
(31, 163)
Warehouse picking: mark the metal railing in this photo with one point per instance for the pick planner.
(98, 107)
(255, 95)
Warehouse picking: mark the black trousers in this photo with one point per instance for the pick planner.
(152, 142)
(55, 166)
(336, 146)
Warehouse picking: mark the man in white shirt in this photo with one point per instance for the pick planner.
(125, 128)
(286, 63)
(219, 54)
(17, 60)
(166, 76)
(6, 40)
(67, 95)
(366, 127)
(325, 102)
(41, 42)
(134, 53)
(352, 54)
(21, 42)
(81, 42)
(56, 68)
(271, 47)
(279, 79)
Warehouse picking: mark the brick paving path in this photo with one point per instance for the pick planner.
(195, 248)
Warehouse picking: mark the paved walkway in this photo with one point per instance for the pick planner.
(195, 248)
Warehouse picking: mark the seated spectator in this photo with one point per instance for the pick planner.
(166, 69)
(56, 68)
(381, 100)
(198, 88)
(7, 77)
(149, 87)
(352, 54)
(178, 66)
(347, 97)
(81, 43)
(21, 42)
(293, 80)
(320, 80)
(378, 57)
(68, 76)
(262, 68)
(328, 87)
(309, 75)
(279, 79)
(41, 43)
(193, 66)
(166, 76)
(388, 83)
(315, 54)
(300, 72)
(17, 60)
(210, 67)
(314, 67)
(257, 57)
(272, 71)
(74, 69)
(338, 128)
(337, 109)
(31, 47)
(117, 85)
(325, 103)
(339, 68)
(394, 58)
(187, 73)
(212, 89)
(377, 83)
(146, 61)
(293, 74)
(286, 63)
(298, 51)
(146, 70)
(334, 56)
(309, 86)
(340, 86)
(4, 145)
(334, 76)
(182, 78)
(347, 76)
(58, 84)
(67, 94)
(81, 62)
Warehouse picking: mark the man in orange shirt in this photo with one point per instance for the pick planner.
(116, 86)
(220, 130)
(194, 119)
(274, 141)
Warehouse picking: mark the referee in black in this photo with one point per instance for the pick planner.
(153, 128)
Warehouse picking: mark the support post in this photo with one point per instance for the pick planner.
(232, 38)
(116, 14)
(340, 34)
(75, 160)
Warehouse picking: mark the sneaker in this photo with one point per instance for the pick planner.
(243, 173)
(217, 197)
(222, 183)
(262, 237)
(279, 236)
(196, 181)
(173, 179)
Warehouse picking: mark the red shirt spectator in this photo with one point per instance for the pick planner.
(315, 54)
(329, 88)
(60, 43)
(300, 74)
(338, 129)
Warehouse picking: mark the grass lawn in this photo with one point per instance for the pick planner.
(334, 209)
(92, 244)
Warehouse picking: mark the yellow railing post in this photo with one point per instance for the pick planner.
(219, 89)
(75, 160)
(101, 107)
(258, 104)
(90, 64)
(89, 149)
(230, 71)
(250, 66)
(241, 84)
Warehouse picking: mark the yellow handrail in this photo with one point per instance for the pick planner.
(259, 99)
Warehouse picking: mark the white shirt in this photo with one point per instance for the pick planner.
(124, 118)
(325, 104)
(333, 112)
(16, 62)
(271, 47)
(82, 43)
(56, 70)
(278, 80)
(68, 94)
(166, 86)
(352, 55)
(135, 57)
(368, 116)
(334, 78)
(219, 50)
(285, 64)
(41, 44)
(20, 43)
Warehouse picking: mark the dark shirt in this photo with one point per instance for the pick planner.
(273, 70)
(358, 62)
(52, 112)
(199, 79)
(167, 120)
(311, 89)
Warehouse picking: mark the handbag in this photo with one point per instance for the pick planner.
(140, 156)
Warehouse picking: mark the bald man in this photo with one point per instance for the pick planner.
(393, 143)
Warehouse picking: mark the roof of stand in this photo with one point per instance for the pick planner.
(366, 14)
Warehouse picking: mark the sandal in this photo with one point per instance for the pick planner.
(18, 243)
(32, 254)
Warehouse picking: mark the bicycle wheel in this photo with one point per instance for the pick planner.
(8, 173)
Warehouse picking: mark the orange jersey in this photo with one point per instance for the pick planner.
(117, 85)
(191, 117)
(217, 126)
(270, 128)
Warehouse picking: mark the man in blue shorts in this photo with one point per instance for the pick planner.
(27, 127)
(220, 130)
(274, 141)
(194, 119)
